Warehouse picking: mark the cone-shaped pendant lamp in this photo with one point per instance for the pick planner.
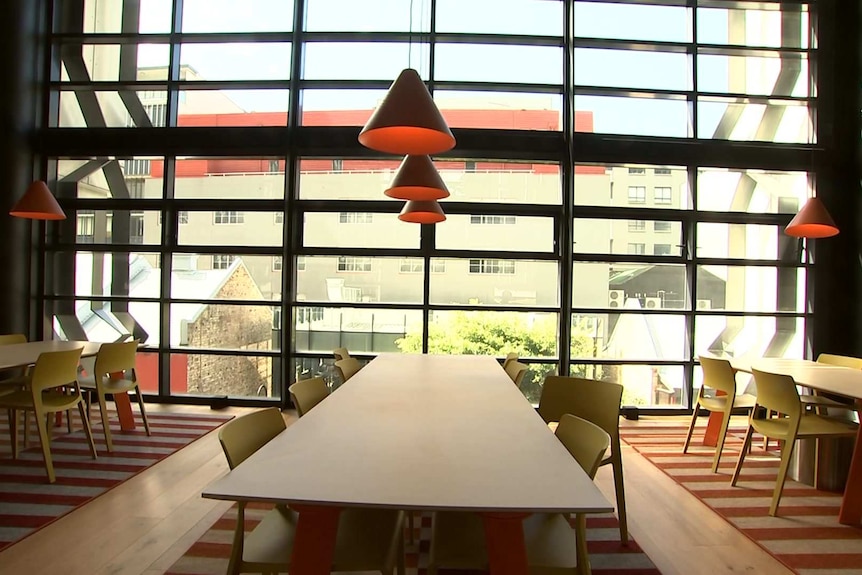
(812, 221)
(407, 121)
(38, 203)
(417, 179)
(417, 212)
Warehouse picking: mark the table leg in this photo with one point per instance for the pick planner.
(504, 539)
(124, 411)
(713, 425)
(851, 503)
(314, 545)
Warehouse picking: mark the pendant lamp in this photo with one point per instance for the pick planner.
(38, 203)
(812, 221)
(417, 179)
(419, 212)
(407, 121)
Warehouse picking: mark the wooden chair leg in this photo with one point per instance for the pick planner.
(581, 544)
(41, 425)
(13, 431)
(742, 452)
(722, 434)
(233, 567)
(87, 430)
(690, 428)
(143, 411)
(619, 486)
(106, 425)
(786, 453)
(410, 535)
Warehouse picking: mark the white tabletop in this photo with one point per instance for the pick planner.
(23, 354)
(419, 432)
(820, 376)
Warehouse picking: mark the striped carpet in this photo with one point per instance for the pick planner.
(806, 536)
(209, 555)
(28, 502)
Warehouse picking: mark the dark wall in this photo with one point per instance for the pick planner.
(22, 62)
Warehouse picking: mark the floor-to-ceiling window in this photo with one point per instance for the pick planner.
(619, 185)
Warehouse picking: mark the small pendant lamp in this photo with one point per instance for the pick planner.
(419, 212)
(38, 203)
(417, 179)
(407, 121)
(812, 221)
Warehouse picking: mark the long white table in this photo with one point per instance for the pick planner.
(417, 432)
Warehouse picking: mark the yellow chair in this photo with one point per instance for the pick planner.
(347, 367)
(340, 353)
(510, 357)
(457, 538)
(778, 393)
(720, 376)
(367, 539)
(516, 371)
(598, 402)
(44, 396)
(817, 401)
(114, 373)
(306, 393)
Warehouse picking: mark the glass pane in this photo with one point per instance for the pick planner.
(230, 60)
(750, 336)
(489, 282)
(107, 17)
(106, 108)
(358, 230)
(632, 185)
(531, 385)
(497, 232)
(637, 286)
(245, 16)
(109, 321)
(232, 108)
(359, 279)
(500, 63)
(90, 181)
(226, 277)
(632, 69)
(486, 16)
(231, 375)
(633, 336)
(752, 191)
(211, 325)
(635, 116)
(101, 62)
(770, 75)
(745, 241)
(224, 177)
(322, 329)
(615, 20)
(643, 385)
(114, 274)
(231, 227)
(778, 121)
(366, 16)
(750, 289)
(361, 60)
(116, 227)
(339, 107)
(488, 333)
(788, 28)
(501, 110)
(604, 236)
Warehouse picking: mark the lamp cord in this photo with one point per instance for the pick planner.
(410, 38)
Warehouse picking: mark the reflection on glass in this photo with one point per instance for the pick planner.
(359, 279)
(644, 385)
(494, 281)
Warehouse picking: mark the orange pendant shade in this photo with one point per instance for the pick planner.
(422, 212)
(38, 203)
(417, 179)
(812, 221)
(407, 121)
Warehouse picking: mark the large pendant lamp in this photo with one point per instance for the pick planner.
(407, 121)
(38, 203)
(812, 221)
(417, 179)
(419, 212)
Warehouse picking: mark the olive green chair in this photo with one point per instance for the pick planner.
(340, 353)
(516, 371)
(347, 368)
(306, 393)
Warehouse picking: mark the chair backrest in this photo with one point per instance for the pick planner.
(306, 393)
(510, 357)
(242, 436)
(777, 392)
(587, 442)
(842, 360)
(117, 357)
(596, 401)
(718, 374)
(516, 371)
(340, 353)
(347, 367)
(12, 338)
(55, 369)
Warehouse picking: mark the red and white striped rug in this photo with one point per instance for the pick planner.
(209, 555)
(806, 535)
(28, 502)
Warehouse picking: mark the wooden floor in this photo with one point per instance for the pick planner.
(142, 526)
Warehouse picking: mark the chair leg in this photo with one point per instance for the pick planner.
(233, 567)
(722, 434)
(41, 425)
(749, 432)
(690, 428)
(581, 544)
(87, 430)
(13, 431)
(786, 453)
(143, 411)
(619, 486)
(410, 527)
(106, 425)
(769, 413)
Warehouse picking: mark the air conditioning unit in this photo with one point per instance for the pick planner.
(652, 303)
(616, 298)
(703, 304)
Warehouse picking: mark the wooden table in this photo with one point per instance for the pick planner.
(417, 432)
(25, 354)
(842, 381)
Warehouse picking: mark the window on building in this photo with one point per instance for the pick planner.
(637, 226)
(157, 114)
(276, 263)
(637, 194)
(300, 263)
(498, 267)
(86, 224)
(637, 171)
(493, 220)
(279, 217)
(337, 165)
(663, 195)
(411, 266)
(354, 264)
(355, 218)
(661, 249)
(637, 248)
(183, 217)
(661, 226)
(136, 228)
(438, 266)
(228, 217)
(136, 167)
(308, 314)
(662, 171)
(222, 261)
